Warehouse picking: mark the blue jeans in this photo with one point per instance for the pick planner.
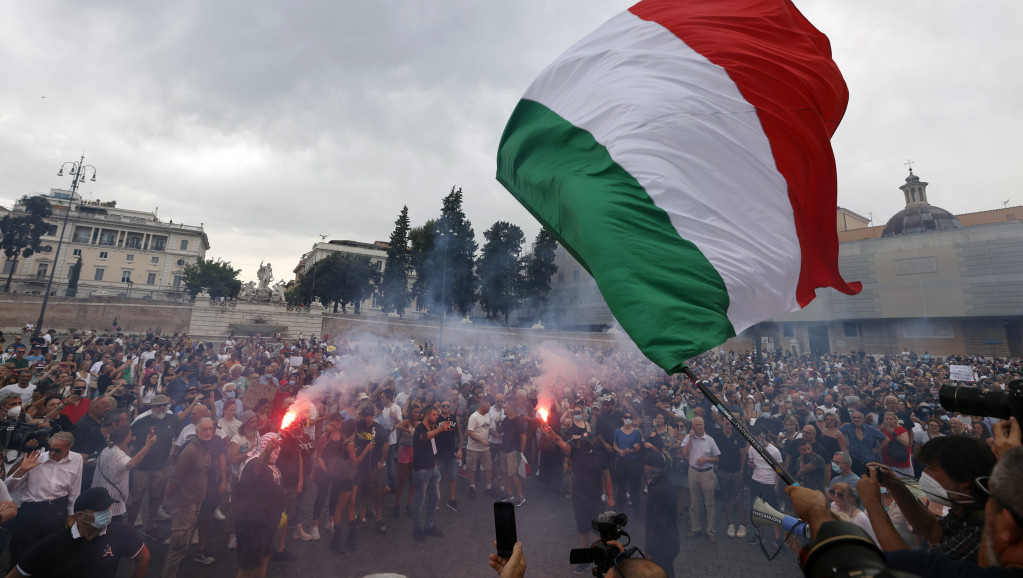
(427, 484)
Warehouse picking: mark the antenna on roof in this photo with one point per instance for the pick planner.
(1005, 204)
(871, 217)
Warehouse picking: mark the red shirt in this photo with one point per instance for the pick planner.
(75, 413)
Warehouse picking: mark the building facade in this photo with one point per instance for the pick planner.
(124, 252)
(932, 281)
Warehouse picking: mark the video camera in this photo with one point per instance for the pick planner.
(984, 402)
(603, 556)
(15, 434)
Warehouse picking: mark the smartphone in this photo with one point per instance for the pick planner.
(504, 526)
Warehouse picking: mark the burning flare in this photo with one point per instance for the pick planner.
(289, 418)
(543, 414)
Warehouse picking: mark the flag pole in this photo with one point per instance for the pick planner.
(739, 427)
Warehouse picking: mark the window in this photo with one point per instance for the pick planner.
(154, 261)
(102, 254)
(108, 238)
(42, 269)
(850, 329)
(151, 279)
(125, 276)
(129, 258)
(561, 276)
(159, 243)
(184, 245)
(76, 252)
(10, 266)
(181, 262)
(98, 276)
(787, 330)
(51, 231)
(82, 234)
(177, 281)
(575, 274)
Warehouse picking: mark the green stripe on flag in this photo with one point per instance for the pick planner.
(664, 292)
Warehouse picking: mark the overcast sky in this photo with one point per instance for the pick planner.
(273, 122)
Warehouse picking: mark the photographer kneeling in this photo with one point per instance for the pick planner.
(1001, 544)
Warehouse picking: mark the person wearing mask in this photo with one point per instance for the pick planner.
(628, 447)
(844, 500)
(841, 471)
(46, 485)
(186, 488)
(89, 437)
(91, 541)
(149, 478)
(953, 463)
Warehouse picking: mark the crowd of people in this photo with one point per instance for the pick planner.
(120, 430)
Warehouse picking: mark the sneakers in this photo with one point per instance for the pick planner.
(162, 514)
(453, 505)
(740, 532)
(203, 558)
(218, 515)
(419, 535)
(518, 501)
(472, 492)
(195, 537)
(434, 532)
(138, 521)
(582, 568)
(507, 498)
(232, 542)
(463, 474)
(301, 534)
(315, 533)
(731, 530)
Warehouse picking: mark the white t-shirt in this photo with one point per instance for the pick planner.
(479, 425)
(763, 473)
(495, 416)
(24, 392)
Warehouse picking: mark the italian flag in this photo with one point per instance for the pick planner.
(681, 152)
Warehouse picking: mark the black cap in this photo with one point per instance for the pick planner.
(95, 499)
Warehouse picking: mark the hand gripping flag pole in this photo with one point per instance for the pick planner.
(739, 427)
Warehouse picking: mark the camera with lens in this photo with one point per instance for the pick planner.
(842, 549)
(984, 402)
(16, 434)
(603, 556)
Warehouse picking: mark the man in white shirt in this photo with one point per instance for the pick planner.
(24, 387)
(702, 453)
(45, 487)
(478, 447)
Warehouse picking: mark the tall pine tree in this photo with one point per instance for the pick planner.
(455, 257)
(395, 293)
(539, 269)
(499, 267)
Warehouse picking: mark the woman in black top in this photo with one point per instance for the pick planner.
(260, 505)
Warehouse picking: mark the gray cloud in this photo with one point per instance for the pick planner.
(271, 123)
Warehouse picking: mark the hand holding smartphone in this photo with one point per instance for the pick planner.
(504, 526)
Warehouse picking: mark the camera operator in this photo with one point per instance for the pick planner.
(515, 566)
(1001, 550)
(952, 465)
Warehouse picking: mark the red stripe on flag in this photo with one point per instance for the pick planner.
(782, 66)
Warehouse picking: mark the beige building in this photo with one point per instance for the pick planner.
(124, 252)
(932, 281)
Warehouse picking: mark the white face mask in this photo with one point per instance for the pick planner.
(14, 411)
(937, 493)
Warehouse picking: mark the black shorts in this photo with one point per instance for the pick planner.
(585, 512)
(255, 541)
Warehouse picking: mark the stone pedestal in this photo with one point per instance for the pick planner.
(213, 319)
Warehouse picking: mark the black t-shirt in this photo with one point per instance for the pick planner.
(511, 432)
(587, 474)
(88, 436)
(218, 447)
(365, 434)
(447, 440)
(423, 457)
(166, 432)
(730, 448)
(287, 461)
(60, 554)
(260, 499)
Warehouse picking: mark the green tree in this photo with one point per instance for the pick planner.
(538, 270)
(455, 255)
(218, 277)
(341, 278)
(394, 289)
(21, 235)
(74, 274)
(421, 241)
(499, 267)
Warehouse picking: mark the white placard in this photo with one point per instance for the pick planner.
(295, 360)
(961, 373)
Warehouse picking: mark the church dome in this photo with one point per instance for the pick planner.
(920, 219)
(919, 216)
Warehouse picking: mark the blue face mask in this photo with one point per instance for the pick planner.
(101, 519)
(229, 394)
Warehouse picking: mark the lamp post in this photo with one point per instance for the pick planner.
(78, 171)
(444, 237)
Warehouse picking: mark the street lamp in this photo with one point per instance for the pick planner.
(445, 235)
(78, 171)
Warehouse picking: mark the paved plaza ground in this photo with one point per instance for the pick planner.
(545, 526)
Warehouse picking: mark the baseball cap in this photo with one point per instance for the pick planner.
(95, 499)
